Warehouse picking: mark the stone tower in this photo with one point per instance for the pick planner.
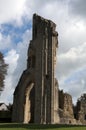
(36, 95)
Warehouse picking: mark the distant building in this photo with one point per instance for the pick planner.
(3, 107)
(5, 113)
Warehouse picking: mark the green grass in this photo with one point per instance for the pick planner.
(39, 127)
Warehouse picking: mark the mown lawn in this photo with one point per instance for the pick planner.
(39, 127)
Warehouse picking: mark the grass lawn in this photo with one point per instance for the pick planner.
(39, 127)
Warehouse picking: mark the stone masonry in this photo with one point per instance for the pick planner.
(80, 109)
(66, 108)
(36, 95)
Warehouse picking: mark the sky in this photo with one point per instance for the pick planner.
(16, 32)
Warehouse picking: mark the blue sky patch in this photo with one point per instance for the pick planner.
(15, 32)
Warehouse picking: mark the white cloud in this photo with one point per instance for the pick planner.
(71, 70)
(11, 10)
(72, 60)
(71, 35)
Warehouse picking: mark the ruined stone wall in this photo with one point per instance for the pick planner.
(81, 109)
(36, 95)
(66, 108)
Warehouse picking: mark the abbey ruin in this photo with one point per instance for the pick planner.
(37, 98)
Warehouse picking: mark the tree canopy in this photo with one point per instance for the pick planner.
(3, 71)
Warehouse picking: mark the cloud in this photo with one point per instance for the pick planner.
(11, 10)
(78, 8)
(71, 71)
(73, 59)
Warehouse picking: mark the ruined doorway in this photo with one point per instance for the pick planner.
(29, 104)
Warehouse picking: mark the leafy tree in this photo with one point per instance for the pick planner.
(3, 71)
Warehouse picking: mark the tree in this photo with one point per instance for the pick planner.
(10, 107)
(3, 71)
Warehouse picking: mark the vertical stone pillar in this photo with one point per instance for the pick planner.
(45, 39)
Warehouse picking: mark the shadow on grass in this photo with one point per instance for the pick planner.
(37, 126)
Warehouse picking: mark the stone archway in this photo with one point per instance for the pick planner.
(23, 108)
(29, 104)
